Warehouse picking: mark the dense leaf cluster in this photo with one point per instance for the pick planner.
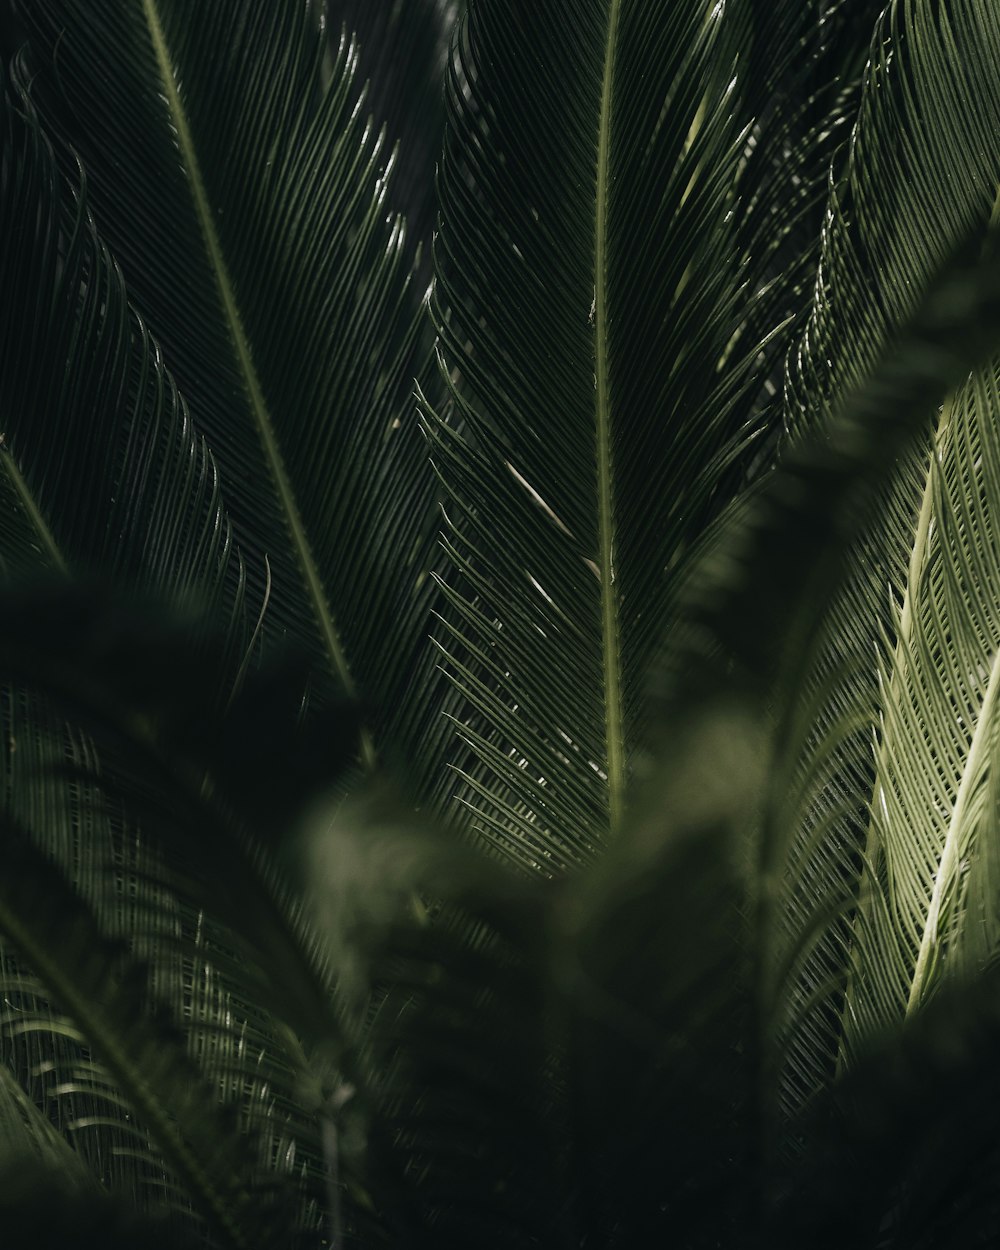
(500, 623)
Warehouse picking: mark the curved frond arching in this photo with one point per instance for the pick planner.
(715, 399)
(931, 833)
(921, 175)
(25, 1133)
(51, 927)
(171, 849)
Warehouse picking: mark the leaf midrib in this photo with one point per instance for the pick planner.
(33, 512)
(904, 631)
(948, 864)
(241, 346)
(610, 627)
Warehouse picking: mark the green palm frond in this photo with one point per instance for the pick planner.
(609, 284)
(759, 601)
(251, 208)
(25, 1133)
(155, 741)
(888, 669)
(101, 466)
(174, 853)
(928, 817)
(104, 474)
(48, 923)
(714, 399)
(658, 1112)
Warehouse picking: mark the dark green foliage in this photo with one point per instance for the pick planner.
(620, 866)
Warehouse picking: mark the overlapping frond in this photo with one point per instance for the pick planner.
(607, 287)
(168, 836)
(647, 973)
(104, 477)
(931, 824)
(250, 207)
(920, 176)
(107, 1011)
(25, 1133)
(628, 197)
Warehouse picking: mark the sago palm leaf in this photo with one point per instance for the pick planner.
(759, 602)
(907, 648)
(50, 926)
(250, 207)
(654, 1111)
(171, 930)
(608, 287)
(932, 836)
(99, 455)
(25, 1133)
(595, 1059)
(235, 969)
(84, 390)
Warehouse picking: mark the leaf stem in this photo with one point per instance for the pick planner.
(918, 558)
(609, 597)
(34, 514)
(953, 840)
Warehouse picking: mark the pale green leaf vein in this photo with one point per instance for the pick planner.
(904, 640)
(949, 863)
(610, 628)
(32, 511)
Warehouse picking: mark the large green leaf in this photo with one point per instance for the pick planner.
(26, 1133)
(546, 1063)
(250, 207)
(662, 1104)
(347, 310)
(609, 282)
(101, 467)
(906, 650)
(658, 1114)
(230, 959)
(102, 474)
